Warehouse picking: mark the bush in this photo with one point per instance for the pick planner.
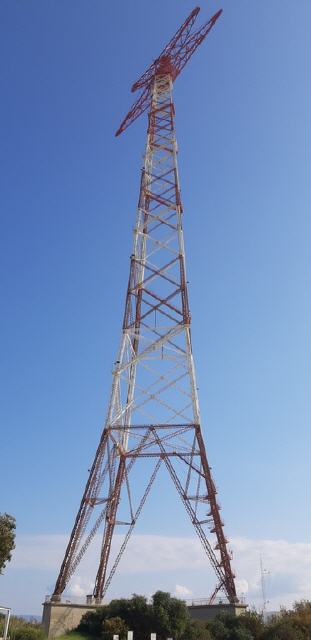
(286, 630)
(21, 630)
(92, 622)
(196, 630)
(113, 626)
(29, 632)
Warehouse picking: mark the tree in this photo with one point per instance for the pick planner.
(290, 624)
(170, 616)
(136, 613)
(178, 615)
(302, 607)
(253, 622)
(161, 620)
(7, 537)
(302, 613)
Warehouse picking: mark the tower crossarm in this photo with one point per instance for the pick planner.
(177, 42)
(172, 59)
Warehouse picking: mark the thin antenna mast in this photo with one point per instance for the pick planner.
(263, 574)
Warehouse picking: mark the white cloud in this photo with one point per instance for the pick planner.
(170, 559)
(80, 587)
(38, 551)
(242, 586)
(145, 553)
(182, 592)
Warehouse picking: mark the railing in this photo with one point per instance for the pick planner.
(203, 602)
(68, 599)
(89, 600)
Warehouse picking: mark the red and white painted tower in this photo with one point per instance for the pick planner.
(153, 418)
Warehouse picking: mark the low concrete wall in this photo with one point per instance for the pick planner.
(59, 617)
(209, 611)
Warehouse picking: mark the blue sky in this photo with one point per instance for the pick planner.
(67, 198)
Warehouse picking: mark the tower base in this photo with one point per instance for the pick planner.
(205, 612)
(60, 617)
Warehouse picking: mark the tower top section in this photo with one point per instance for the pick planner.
(171, 61)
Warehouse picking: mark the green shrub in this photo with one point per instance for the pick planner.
(196, 630)
(92, 622)
(286, 630)
(19, 629)
(29, 632)
(113, 626)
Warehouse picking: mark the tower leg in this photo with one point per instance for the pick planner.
(94, 483)
(112, 507)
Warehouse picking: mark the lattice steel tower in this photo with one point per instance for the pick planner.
(153, 417)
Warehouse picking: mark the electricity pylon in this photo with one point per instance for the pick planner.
(153, 416)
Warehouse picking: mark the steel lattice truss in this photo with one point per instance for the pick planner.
(178, 51)
(153, 416)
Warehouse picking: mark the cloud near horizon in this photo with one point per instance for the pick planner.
(288, 565)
